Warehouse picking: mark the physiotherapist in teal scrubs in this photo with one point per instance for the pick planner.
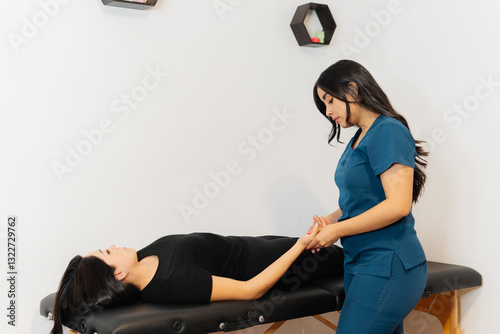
(379, 176)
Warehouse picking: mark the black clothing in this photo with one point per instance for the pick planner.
(187, 263)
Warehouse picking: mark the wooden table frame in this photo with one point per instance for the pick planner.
(444, 306)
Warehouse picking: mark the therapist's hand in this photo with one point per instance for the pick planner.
(318, 221)
(328, 234)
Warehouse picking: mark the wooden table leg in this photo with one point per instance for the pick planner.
(445, 307)
(455, 322)
(274, 327)
(326, 322)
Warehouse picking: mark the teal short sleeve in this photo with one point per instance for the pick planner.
(390, 144)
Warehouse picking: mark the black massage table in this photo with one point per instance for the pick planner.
(321, 296)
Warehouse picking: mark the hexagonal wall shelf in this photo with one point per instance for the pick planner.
(134, 4)
(325, 18)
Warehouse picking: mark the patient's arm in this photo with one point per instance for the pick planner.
(230, 289)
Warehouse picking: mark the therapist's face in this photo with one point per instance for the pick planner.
(335, 108)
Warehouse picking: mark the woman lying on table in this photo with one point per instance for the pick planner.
(192, 268)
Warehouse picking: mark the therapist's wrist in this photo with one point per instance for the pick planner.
(342, 229)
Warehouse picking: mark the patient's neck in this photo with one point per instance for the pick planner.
(143, 272)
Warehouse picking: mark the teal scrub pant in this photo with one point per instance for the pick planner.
(378, 305)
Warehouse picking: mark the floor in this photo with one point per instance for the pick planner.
(415, 323)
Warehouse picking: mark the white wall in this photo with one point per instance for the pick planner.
(229, 75)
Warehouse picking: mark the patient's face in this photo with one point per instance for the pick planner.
(118, 257)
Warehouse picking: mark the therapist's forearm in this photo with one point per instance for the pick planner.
(383, 214)
(333, 217)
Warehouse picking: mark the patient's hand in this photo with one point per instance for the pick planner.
(307, 238)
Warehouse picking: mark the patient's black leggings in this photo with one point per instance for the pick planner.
(265, 250)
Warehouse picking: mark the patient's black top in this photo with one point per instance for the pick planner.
(187, 263)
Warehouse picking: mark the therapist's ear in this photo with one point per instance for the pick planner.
(353, 91)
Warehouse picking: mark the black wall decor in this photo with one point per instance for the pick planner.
(134, 4)
(325, 18)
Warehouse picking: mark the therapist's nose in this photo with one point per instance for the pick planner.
(329, 111)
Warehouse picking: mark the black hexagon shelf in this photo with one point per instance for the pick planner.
(325, 18)
(134, 4)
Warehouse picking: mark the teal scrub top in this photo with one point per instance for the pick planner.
(385, 143)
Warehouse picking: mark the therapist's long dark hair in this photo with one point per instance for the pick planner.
(335, 81)
(89, 285)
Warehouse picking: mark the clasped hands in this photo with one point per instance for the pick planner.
(322, 234)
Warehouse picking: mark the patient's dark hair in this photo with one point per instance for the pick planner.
(335, 81)
(88, 285)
